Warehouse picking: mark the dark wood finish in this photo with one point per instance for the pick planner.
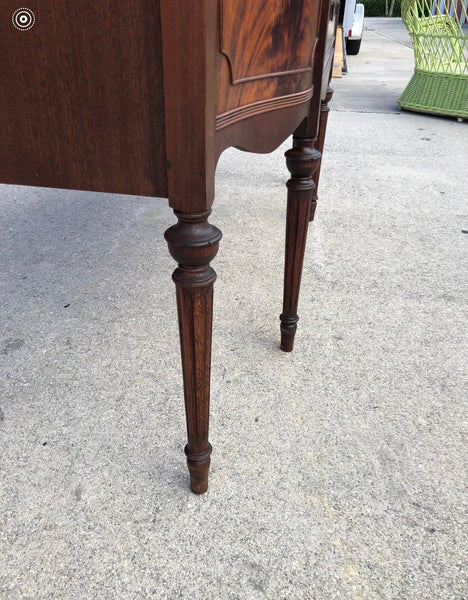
(255, 134)
(142, 97)
(324, 111)
(277, 33)
(265, 62)
(266, 50)
(326, 92)
(193, 243)
(189, 62)
(81, 103)
(301, 161)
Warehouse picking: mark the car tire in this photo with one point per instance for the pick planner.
(353, 47)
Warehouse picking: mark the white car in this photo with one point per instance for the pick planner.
(353, 24)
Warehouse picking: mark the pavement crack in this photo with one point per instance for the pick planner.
(366, 112)
(387, 37)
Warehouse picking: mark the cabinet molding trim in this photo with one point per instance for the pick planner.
(249, 110)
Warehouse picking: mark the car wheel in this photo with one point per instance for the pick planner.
(353, 47)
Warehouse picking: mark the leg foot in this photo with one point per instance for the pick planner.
(198, 466)
(288, 332)
(193, 242)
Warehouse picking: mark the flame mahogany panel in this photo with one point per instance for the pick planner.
(276, 33)
(266, 52)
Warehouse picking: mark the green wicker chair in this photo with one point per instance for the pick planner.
(440, 81)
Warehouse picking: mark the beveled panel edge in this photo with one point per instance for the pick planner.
(249, 110)
(263, 75)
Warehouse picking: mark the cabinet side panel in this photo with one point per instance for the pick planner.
(81, 102)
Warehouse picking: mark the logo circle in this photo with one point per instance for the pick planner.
(23, 19)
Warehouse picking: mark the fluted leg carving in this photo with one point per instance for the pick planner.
(324, 110)
(193, 243)
(302, 161)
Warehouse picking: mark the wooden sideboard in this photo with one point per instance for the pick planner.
(141, 97)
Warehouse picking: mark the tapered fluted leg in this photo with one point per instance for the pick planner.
(193, 243)
(301, 161)
(324, 110)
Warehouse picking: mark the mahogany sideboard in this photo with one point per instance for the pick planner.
(141, 97)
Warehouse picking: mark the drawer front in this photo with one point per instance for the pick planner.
(266, 52)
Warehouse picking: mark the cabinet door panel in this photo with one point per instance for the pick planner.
(267, 38)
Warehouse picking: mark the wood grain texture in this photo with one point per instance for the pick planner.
(263, 106)
(189, 58)
(81, 102)
(193, 243)
(266, 50)
(330, 43)
(256, 134)
(324, 112)
(301, 160)
(275, 32)
(322, 67)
